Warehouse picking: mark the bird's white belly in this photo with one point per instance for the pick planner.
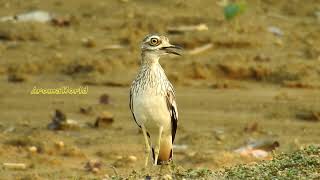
(151, 111)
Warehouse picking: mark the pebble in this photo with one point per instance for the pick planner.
(132, 158)
(275, 30)
(278, 42)
(59, 144)
(104, 119)
(104, 99)
(167, 177)
(33, 149)
(88, 42)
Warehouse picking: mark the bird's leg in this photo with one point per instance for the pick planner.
(147, 148)
(157, 146)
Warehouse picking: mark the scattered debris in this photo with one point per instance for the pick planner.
(33, 16)
(17, 78)
(60, 122)
(132, 158)
(200, 49)
(261, 58)
(240, 71)
(219, 134)
(93, 166)
(72, 151)
(105, 118)
(61, 21)
(186, 28)
(59, 144)
(106, 177)
(9, 129)
(20, 166)
(302, 85)
(275, 30)
(88, 42)
(33, 149)
(311, 116)
(258, 149)
(251, 127)
(86, 110)
(232, 44)
(123, 161)
(107, 83)
(224, 85)
(112, 47)
(104, 99)
(180, 148)
(167, 177)
(115, 84)
(38, 16)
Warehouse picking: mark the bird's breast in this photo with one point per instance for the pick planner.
(151, 110)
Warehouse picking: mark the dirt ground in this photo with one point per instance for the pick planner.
(252, 84)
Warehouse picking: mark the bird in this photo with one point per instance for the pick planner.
(152, 100)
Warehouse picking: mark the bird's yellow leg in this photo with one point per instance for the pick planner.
(147, 148)
(157, 147)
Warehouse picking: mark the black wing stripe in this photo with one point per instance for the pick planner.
(172, 109)
(174, 123)
(131, 108)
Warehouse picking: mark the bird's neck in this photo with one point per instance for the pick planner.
(149, 59)
(151, 76)
(150, 66)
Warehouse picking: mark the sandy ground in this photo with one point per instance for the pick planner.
(249, 79)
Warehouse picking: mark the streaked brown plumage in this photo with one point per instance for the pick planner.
(152, 100)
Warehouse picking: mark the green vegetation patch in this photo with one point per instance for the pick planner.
(302, 164)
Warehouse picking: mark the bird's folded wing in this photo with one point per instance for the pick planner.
(131, 107)
(172, 107)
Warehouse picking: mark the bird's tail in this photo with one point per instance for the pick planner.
(165, 153)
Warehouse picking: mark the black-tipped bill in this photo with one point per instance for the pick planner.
(173, 49)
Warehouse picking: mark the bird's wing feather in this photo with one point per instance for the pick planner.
(131, 106)
(172, 107)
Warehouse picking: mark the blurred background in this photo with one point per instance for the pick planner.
(247, 84)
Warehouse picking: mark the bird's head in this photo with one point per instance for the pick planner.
(158, 45)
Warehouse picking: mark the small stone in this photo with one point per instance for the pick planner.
(93, 166)
(95, 170)
(88, 42)
(86, 110)
(61, 21)
(251, 127)
(261, 58)
(15, 165)
(59, 144)
(33, 149)
(105, 118)
(119, 157)
(17, 78)
(104, 99)
(132, 158)
(278, 42)
(311, 116)
(275, 30)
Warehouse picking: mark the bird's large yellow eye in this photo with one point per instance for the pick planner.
(154, 41)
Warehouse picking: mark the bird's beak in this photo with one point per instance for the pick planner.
(172, 49)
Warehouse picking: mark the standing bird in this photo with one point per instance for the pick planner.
(152, 100)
